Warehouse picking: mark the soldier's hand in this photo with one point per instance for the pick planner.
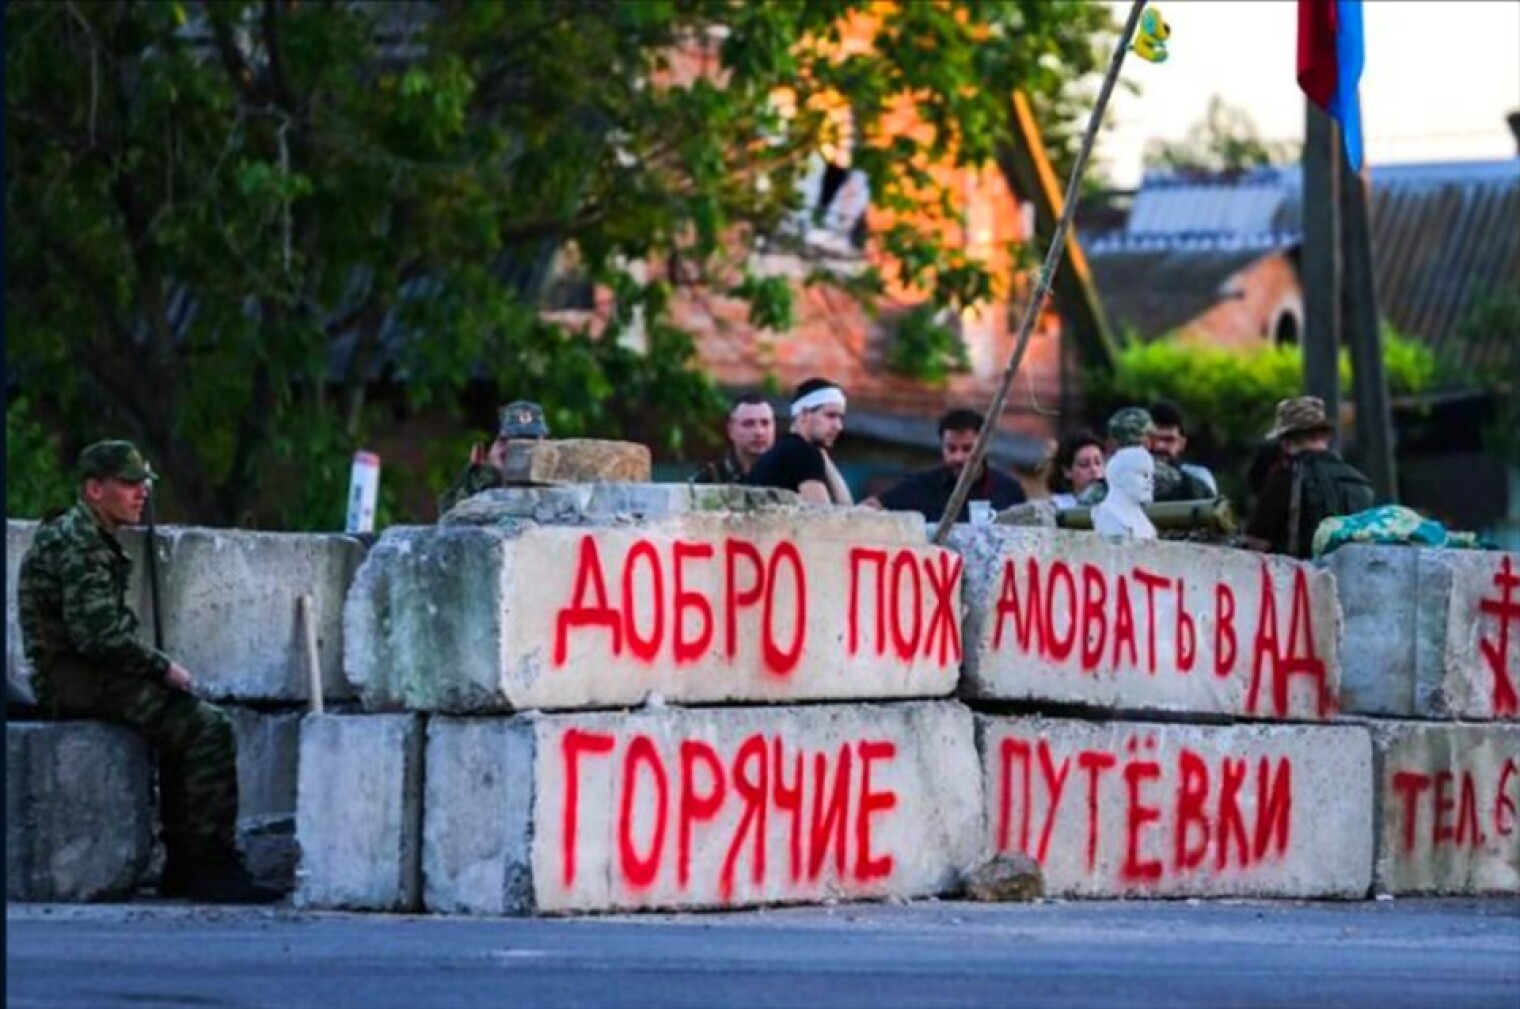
(179, 677)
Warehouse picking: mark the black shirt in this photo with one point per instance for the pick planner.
(788, 464)
(929, 491)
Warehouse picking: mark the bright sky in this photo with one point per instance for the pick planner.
(1439, 78)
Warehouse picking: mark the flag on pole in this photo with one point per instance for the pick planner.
(1330, 59)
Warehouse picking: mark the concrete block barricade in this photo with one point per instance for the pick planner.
(1134, 809)
(1429, 633)
(359, 812)
(231, 609)
(612, 503)
(773, 606)
(268, 755)
(575, 460)
(1448, 808)
(18, 537)
(692, 808)
(1077, 618)
(78, 811)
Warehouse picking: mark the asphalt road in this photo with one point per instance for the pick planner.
(1431, 954)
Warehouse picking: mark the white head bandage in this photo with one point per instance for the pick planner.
(828, 396)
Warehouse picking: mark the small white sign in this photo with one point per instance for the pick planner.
(363, 488)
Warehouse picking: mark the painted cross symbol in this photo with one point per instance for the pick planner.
(1504, 609)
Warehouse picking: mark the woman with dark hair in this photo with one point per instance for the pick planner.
(1077, 465)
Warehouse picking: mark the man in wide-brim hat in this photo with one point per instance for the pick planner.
(1316, 483)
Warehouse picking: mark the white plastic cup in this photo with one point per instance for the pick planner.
(981, 513)
(363, 488)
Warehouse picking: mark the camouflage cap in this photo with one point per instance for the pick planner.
(1130, 425)
(522, 419)
(117, 460)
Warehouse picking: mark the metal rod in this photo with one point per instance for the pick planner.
(152, 552)
(1047, 273)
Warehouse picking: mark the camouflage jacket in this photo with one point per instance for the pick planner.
(477, 477)
(71, 598)
(719, 471)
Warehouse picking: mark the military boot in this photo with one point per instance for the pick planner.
(222, 878)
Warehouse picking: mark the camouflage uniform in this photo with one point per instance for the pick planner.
(477, 477)
(719, 471)
(518, 420)
(82, 641)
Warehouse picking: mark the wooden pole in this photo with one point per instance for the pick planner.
(1359, 323)
(307, 613)
(1321, 266)
(1042, 289)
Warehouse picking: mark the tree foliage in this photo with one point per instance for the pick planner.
(1225, 141)
(230, 220)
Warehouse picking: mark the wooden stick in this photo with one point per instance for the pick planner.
(1042, 290)
(307, 610)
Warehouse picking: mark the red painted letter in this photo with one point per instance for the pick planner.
(689, 650)
(572, 744)
(638, 871)
(697, 805)
(866, 867)
(588, 575)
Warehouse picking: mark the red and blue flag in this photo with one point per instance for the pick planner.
(1330, 59)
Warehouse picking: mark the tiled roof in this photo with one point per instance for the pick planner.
(1442, 235)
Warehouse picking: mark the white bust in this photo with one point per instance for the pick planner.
(1131, 482)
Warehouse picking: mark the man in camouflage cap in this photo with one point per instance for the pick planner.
(1127, 428)
(517, 421)
(1132, 427)
(88, 662)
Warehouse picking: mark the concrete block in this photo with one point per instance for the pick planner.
(576, 460)
(1142, 809)
(358, 812)
(230, 609)
(79, 811)
(268, 754)
(703, 607)
(1429, 633)
(593, 504)
(677, 808)
(18, 539)
(1448, 808)
(1079, 618)
(18, 672)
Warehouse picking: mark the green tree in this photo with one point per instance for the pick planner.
(1226, 140)
(229, 220)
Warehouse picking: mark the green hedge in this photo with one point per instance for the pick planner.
(1228, 396)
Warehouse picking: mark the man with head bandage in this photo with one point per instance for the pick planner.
(799, 461)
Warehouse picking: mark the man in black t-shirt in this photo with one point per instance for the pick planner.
(799, 461)
(928, 491)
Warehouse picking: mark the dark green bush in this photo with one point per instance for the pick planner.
(1230, 397)
(36, 477)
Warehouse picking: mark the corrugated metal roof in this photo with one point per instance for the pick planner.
(1443, 234)
(1153, 288)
